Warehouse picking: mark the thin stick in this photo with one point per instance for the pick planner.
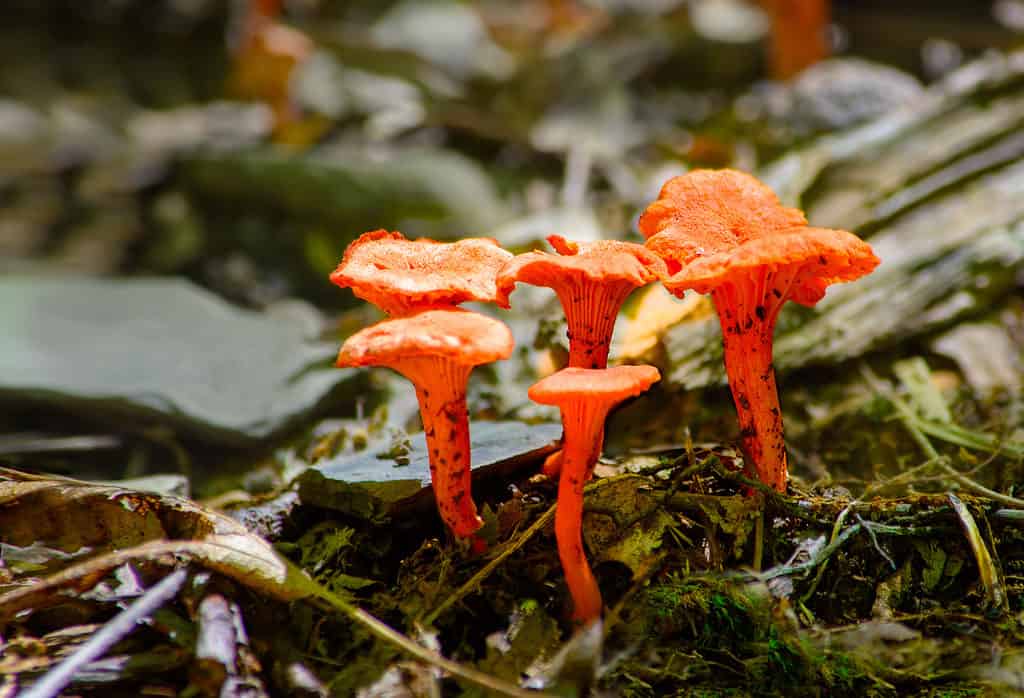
(759, 539)
(837, 527)
(388, 634)
(907, 415)
(485, 571)
(981, 489)
(113, 632)
(913, 424)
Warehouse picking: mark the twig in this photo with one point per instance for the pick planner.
(390, 635)
(759, 539)
(486, 570)
(915, 426)
(874, 541)
(292, 585)
(907, 415)
(113, 632)
(836, 528)
(823, 555)
(981, 489)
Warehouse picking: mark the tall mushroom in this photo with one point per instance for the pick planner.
(592, 280)
(725, 233)
(401, 276)
(584, 396)
(436, 349)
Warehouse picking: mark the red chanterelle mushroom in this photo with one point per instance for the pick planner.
(437, 349)
(799, 35)
(401, 276)
(592, 280)
(725, 233)
(584, 397)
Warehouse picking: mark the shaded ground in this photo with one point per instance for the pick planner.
(893, 566)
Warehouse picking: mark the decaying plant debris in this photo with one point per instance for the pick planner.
(904, 589)
(287, 554)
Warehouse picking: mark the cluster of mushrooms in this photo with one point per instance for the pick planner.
(720, 232)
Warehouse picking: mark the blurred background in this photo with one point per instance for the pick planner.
(241, 145)
(179, 177)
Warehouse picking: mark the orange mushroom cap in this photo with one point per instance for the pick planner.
(608, 386)
(722, 232)
(400, 276)
(592, 280)
(820, 257)
(436, 349)
(584, 397)
(602, 261)
(710, 225)
(716, 207)
(461, 336)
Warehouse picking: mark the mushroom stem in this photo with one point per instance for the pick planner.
(591, 309)
(441, 391)
(747, 310)
(584, 433)
(799, 35)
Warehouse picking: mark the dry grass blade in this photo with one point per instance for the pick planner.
(987, 569)
(478, 578)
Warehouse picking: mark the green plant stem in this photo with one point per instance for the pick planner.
(478, 578)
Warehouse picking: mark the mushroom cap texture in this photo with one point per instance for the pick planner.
(721, 225)
(392, 272)
(602, 260)
(718, 208)
(463, 336)
(608, 385)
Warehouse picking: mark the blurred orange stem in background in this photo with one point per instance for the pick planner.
(798, 35)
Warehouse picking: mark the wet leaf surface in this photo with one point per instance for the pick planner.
(146, 350)
(377, 483)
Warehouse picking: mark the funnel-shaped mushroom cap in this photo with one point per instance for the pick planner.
(436, 350)
(817, 258)
(607, 386)
(717, 206)
(714, 226)
(465, 337)
(399, 275)
(603, 261)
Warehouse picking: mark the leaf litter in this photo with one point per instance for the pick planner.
(894, 566)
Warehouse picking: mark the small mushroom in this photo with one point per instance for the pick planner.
(584, 396)
(799, 35)
(436, 349)
(723, 232)
(268, 54)
(592, 280)
(401, 276)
